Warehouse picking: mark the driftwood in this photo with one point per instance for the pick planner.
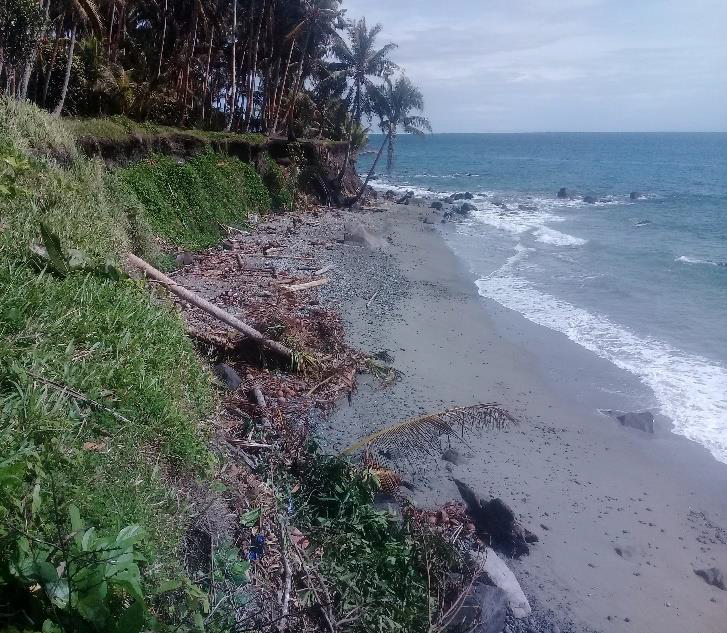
(324, 270)
(307, 285)
(209, 308)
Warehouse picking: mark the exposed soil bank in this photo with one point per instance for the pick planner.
(624, 518)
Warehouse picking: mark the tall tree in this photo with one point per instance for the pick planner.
(393, 103)
(359, 62)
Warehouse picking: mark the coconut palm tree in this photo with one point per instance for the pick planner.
(359, 62)
(393, 104)
(86, 13)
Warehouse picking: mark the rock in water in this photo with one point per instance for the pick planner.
(635, 195)
(355, 233)
(483, 610)
(562, 192)
(589, 200)
(712, 576)
(453, 456)
(462, 196)
(499, 574)
(436, 205)
(227, 376)
(465, 208)
(641, 420)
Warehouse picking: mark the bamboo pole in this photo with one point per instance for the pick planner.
(209, 308)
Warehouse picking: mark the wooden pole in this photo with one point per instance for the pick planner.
(209, 308)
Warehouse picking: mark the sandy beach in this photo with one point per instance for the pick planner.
(624, 518)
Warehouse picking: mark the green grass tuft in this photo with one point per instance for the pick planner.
(186, 203)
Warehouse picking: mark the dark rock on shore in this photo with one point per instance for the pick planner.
(405, 198)
(483, 610)
(462, 196)
(227, 376)
(436, 205)
(227, 245)
(562, 192)
(640, 420)
(495, 519)
(712, 576)
(589, 200)
(466, 208)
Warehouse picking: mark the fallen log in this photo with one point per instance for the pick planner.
(307, 285)
(209, 308)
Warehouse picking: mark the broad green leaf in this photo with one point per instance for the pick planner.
(58, 592)
(129, 535)
(250, 518)
(52, 245)
(133, 619)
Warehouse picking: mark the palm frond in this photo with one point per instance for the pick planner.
(422, 434)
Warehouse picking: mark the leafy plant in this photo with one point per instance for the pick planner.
(12, 167)
(81, 582)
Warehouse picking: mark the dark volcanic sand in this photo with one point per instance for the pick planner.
(587, 486)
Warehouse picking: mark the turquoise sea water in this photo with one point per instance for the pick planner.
(642, 283)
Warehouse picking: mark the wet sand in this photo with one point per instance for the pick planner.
(624, 518)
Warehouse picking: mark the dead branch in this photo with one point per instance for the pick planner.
(307, 285)
(208, 307)
(324, 270)
(287, 574)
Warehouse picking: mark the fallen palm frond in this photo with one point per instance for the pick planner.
(421, 435)
(385, 373)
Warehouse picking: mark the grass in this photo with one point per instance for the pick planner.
(108, 341)
(187, 203)
(120, 127)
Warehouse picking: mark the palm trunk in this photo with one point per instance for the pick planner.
(233, 87)
(51, 64)
(351, 201)
(207, 73)
(299, 80)
(67, 78)
(251, 91)
(279, 97)
(164, 37)
(355, 116)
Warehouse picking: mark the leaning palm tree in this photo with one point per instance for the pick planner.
(359, 61)
(393, 104)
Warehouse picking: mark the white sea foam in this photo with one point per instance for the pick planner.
(693, 260)
(556, 238)
(691, 390)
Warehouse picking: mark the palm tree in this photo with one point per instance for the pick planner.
(85, 12)
(358, 62)
(393, 104)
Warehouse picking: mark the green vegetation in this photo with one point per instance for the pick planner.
(384, 570)
(187, 203)
(120, 127)
(101, 391)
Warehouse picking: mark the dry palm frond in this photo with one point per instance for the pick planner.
(421, 435)
(389, 480)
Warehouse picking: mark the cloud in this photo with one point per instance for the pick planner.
(508, 65)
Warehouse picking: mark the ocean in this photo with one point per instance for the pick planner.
(639, 280)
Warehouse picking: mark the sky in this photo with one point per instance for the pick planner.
(561, 65)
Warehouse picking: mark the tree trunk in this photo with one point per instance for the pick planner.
(207, 73)
(277, 99)
(233, 87)
(66, 79)
(299, 80)
(355, 116)
(164, 37)
(251, 91)
(351, 201)
(51, 64)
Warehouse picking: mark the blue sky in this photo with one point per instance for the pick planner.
(561, 65)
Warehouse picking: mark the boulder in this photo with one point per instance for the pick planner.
(562, 192)
(405, 198)
(356, 233)
(462, 196)
(483, 610)
(436, 205)
(640, 420)
(499, 203)
(499, 574)
(390, 195)
(453, 456)
(465, 208)
(227, 376)
(228, 245)
(496, 522)
(635, 195)
(589, 200)
(712, 576)
(184, 259)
